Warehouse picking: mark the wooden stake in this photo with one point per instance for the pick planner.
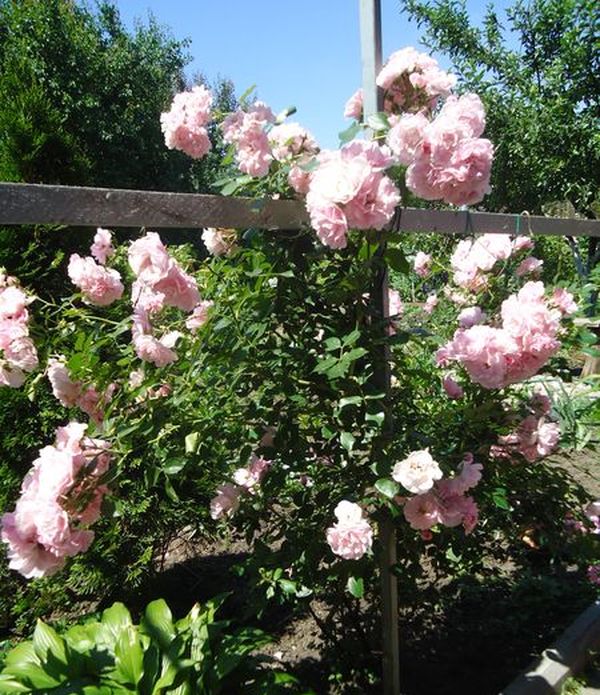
(370, 33)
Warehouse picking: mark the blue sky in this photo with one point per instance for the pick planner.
(304, 53)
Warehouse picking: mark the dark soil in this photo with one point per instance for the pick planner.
(473, 640)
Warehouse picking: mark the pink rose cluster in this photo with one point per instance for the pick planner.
(60, 496)
(100, 286)
(73, 393)
(444, 501)
(351, 536)
(473, 258)
(413, 81)
(247, 131)
(18, 354)
(496, 357)
(184, 125)
(534, 438)
(446, 157)
(246, 481)
(349, 189)
(160, 281)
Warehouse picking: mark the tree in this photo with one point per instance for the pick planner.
(80, 104)
(538, 73)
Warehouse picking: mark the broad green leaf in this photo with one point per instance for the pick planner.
(191, 442)
(388, 488)
(350, 133)
(8, 684)
(175, 465)
(157, 622)
(129, 656)
(356, 586)
(114, 620)
(396, 259)
(347, 441)
(349, 400)
(378, 121)
(48, 645)
(499, 498)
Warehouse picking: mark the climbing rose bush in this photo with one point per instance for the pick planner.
(244, 387)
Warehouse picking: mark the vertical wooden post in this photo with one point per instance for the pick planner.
(370, 33)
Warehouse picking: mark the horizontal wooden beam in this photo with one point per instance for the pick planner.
(22, 203)
(27, 204)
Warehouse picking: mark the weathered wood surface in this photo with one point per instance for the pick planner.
(22, 203)
(42, 204)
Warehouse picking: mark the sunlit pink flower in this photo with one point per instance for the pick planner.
(471, 316)
(563, 299)
(528, 266)
(99, 285)
(220, 241)
(417, 472)
(289, 140)
(453, 389)
(352, 536)
(422, 264)
(354, 106)
(184, 125)
(199, 315)
(60, 493)
(430, 303)
(226, 502)
(102, 248)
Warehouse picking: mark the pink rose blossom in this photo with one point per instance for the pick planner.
(453, 389)
(422, 264)
(149, 258)
(18, 354)
(593, 574)
(430, 303)
(405, 136)
(352, 536)
(450, 161)
(246, 130)
(529, 265)
(184, 125)
(199, 315)
(99, 285)
(422, 511)
(290, 140)
(64, 389)
(417, 472)
(159, 278)
(471, 316)
(102, 248)
(523, 243)
(412, 81)
(220, 241)
(354, 106)
(60, 493)
(564, 301)
(250, 477)
(496, 357)
(349, 189)
(533, 439)
(226, 502)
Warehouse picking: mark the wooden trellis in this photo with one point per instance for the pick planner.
(31, 204)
